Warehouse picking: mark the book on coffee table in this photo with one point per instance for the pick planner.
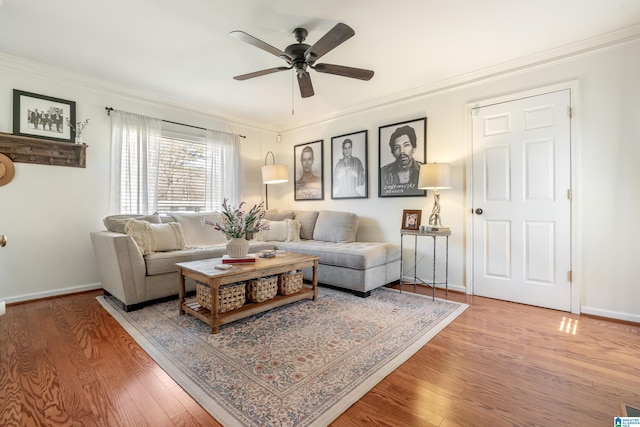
(249, 259)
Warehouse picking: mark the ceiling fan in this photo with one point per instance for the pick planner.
(301, 56)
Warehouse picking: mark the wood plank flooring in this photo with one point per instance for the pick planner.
(66, 362)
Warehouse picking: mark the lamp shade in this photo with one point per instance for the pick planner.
(274, 174)
(434, 175)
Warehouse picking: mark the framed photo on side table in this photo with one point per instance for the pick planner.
(349, 165)
(402, 149)
(41, 116)
(411, 219)
(307, 169)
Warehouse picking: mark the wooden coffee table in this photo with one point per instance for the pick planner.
(204, 271)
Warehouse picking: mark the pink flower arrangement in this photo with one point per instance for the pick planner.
(237, 223)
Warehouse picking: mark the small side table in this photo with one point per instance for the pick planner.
(434, 235)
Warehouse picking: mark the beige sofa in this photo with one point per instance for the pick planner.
(139, 266)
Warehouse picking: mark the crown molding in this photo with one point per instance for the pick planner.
(65, 76)
(543, 59)
(565, 53)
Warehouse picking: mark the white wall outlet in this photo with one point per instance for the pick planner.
(3, 308)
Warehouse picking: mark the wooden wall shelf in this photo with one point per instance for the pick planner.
(23, 149)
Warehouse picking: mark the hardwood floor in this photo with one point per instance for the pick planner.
(65, 361)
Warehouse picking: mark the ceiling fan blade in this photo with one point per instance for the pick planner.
(336, 36)
(260, 73)
(248, 38)
(304, 81)
(341, 70)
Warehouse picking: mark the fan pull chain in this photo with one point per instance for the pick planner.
(293, 88)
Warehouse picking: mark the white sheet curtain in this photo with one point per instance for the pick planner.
(222, 182)
(135, 142)
(135, 146)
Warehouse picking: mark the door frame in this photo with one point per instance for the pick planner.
(576, 238)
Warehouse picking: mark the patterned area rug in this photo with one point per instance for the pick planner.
(298, 365)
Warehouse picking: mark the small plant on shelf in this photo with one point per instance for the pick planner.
(78, 128)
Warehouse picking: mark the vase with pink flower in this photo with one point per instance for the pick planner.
(236, 224)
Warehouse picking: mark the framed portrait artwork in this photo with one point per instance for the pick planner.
(349, 166)
(41, 116)
(402, 149)
(307, 169)
(411, 219)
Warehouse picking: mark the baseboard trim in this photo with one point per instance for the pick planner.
(52, 293)
(628, 317)
(408, 281)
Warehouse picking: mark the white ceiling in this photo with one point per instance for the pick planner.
(181, 51)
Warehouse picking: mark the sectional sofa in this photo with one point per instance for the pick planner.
(136, 255)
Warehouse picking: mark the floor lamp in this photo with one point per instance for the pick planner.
(434, 176)
(272, 174)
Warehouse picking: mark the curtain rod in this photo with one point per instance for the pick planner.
(110, 109)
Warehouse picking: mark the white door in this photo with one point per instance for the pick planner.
(521, 200)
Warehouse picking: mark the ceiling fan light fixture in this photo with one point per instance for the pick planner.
(301, 56)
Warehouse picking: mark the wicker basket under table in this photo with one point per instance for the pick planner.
(230, 297)
(262, 289)
(289, 283)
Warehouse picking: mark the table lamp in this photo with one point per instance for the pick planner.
(272, 174)
(435, 176)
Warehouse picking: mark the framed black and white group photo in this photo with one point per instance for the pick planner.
(402, 149)
(41, 116)
(307, 169)
(349, 166)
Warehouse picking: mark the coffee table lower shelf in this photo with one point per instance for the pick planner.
(193, 307)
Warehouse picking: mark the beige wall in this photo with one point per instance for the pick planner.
(47, 212)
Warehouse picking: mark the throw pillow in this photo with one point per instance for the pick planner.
(152, 238)
(293, 233)
(167, 237)
(198, 234)
(308, 221)
(339, 227)
(140, 231)
(277, 231)
(280, 231)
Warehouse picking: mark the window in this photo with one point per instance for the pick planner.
(166, 167)
(196, 169)
(181, 172)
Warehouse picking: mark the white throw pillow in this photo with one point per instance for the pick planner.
(140, 231)
(280, 231)
(198, 234)
(167, 237)
(152, 238)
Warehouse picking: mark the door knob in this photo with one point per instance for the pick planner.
(479, 211)
(3, 241)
